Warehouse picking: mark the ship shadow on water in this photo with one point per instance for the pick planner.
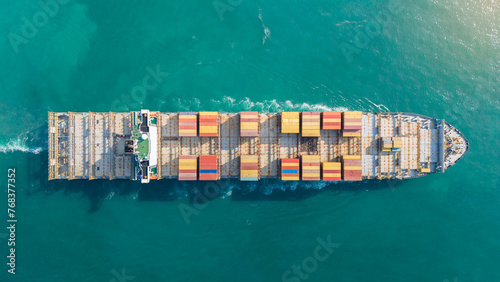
(197, 192)
(303, 190)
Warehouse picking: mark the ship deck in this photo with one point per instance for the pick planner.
(92, 145)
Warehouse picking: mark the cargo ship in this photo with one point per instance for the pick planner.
(208, 146)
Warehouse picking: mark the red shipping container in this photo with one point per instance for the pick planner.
(310, 178)
(209, 118)
(352, 127)
(208, 123)
(332, 114)
(208, 176)
(187, 120)
(249, 119)
(290, 160)
(249, 166)
(249, 132)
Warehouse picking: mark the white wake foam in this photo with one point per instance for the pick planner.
(380, 107)
(270, 106)
(267, 32)
(20, 145)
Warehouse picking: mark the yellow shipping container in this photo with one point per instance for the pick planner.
(352, 167)
(331, 166)
(249, 125)
(290, 122)
(332, 174)
(310, 157)
(184, 167)
(249, 116)
(290, 164)
(208, 129)
(249, 159)
(289, 178)
(351, 134)
(181, 117)
(352, 123)
(351, 157)
(310, 133)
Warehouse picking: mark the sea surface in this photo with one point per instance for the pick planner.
(439, 58)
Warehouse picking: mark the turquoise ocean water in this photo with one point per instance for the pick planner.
(439, 58)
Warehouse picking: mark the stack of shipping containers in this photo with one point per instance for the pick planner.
(249, 124)
(311, 167)
(249, 168)
(352, 168)
(188, 166)
(209, 167)
(209, 124)
(290, 122)
(397, 143)
(352, 124)
(311, 124)
(332, 120)
(289, 169)
(332, 171)
(386, 144)
(187, 124)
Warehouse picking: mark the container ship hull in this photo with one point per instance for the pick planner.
(292, 146)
